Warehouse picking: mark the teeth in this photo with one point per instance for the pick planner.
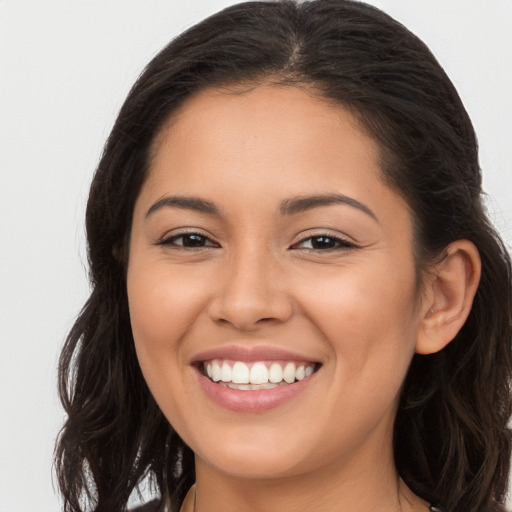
(251, 387)
(259, 374)
(225, 372)
(239, 375)
(216, 371)
(289, 373)
(275, 373)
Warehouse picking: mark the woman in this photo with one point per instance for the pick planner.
(297, 300)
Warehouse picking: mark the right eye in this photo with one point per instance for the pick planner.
(188, 241)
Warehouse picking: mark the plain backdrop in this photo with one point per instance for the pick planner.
(65, 68)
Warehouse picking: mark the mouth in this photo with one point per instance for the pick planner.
(256, 375)
(254, 379)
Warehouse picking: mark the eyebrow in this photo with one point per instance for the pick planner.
(302, 204)
(290, 206)
(186, 203)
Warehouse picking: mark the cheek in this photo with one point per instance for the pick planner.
(164, 306)
(369, 318)
(163, 303)
(369, 322)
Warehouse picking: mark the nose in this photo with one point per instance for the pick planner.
(251, 292)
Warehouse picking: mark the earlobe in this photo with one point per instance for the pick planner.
(451, 289)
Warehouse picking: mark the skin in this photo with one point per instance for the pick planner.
(256, 280)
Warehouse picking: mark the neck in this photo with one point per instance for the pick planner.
(376, 488)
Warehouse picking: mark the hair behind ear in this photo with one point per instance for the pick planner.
(451, 437)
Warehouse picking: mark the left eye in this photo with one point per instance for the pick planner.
(189, 240)
(323, 242)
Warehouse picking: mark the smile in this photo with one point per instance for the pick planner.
(248, 379)
(257, 375)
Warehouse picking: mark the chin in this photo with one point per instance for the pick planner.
(255, 464)
(259, 455)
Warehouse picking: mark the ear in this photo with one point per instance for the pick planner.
(450, 290)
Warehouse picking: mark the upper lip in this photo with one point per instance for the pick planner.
(251, 354)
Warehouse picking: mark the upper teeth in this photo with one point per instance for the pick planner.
(259, 372)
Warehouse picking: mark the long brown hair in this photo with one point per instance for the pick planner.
(451, 439)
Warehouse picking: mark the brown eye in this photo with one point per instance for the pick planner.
(323, 243)
(189, 241)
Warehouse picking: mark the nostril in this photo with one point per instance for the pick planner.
(246, 310)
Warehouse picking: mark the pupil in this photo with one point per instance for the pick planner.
(193, 241)
(322, 242)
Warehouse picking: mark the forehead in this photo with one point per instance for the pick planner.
(262, 133)
(264, 104)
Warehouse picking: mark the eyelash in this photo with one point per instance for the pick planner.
(171, 241)
(340, 244)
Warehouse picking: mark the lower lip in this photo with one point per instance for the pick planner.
(252, 401)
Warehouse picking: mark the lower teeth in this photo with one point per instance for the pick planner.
(251, 387)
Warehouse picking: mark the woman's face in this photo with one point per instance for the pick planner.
(266, 246)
